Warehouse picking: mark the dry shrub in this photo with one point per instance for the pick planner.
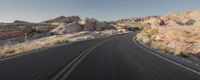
(143, 37)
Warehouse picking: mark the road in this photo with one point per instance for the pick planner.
(113, 58)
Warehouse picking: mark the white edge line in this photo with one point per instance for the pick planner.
(84, 53)
(13, 56)
(30, 52)
(167, 59)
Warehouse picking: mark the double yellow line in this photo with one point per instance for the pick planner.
(65, 72)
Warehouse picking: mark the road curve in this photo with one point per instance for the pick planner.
(113, 58)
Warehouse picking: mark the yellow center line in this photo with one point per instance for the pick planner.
(64, 73)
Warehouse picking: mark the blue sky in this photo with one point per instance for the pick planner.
(39, 10)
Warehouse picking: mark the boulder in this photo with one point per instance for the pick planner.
(90, 24)
(67, 28)
(190, 22)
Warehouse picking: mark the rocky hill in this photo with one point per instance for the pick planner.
(62, 19)
(179, 33)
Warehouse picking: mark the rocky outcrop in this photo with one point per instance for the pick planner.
(17, 29)
(59, 25)
(179, 34)
(67, 28)
(12, 34)
(190, 22)
(88, 24)
(62, 19)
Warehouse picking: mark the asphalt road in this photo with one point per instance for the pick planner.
(113, 58)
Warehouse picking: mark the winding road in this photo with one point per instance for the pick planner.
(112, 58)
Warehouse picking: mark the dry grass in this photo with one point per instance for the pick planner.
(147, 34)
(51, 41)
(131, 26)
(36, 44)
(143, 38)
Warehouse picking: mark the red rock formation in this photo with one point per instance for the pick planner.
(12, 34)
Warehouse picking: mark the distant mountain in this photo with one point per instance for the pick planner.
(23, 22)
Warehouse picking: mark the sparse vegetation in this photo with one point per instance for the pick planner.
(36, 44)
(52, 41)
(143, 38)
(178, 52)
(131, 26)
(147, 34)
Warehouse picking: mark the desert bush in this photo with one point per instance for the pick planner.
(163, 48)
(146, 34)
(178, 52)
(131, 26)
(154, 45)
(152, 31)
(142, 36)
(8, 50)
(31, 45)
(139, 26)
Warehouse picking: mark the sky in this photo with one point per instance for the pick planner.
(40, 10)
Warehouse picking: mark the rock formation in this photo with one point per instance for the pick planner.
(62, 19)
(67, 28)
(179, 34)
